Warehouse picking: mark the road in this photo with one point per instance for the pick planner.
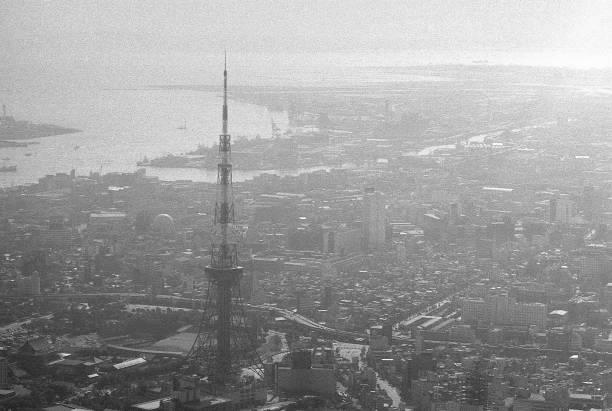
(288, 314)
(348, 351)
(13, 327)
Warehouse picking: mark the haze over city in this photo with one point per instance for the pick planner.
(305, 205)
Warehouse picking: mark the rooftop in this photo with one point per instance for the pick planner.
(129, 363)
(150, 405)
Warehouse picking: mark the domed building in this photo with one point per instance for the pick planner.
(163, 224)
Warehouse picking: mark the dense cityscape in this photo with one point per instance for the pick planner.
(407, 207)
(433, 264)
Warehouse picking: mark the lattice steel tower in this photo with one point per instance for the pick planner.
(223, 344)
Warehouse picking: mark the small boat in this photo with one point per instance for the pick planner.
(76, 147)
(28, 154)
(6, 158)
(5, 169)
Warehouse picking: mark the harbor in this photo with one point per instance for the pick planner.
(120, 127)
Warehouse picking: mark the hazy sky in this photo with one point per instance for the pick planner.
(295, 25)
(43, 36)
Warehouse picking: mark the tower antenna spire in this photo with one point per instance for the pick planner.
(224, 132)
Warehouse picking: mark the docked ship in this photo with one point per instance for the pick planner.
(144, 162)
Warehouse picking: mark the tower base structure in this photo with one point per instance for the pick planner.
(225, 346)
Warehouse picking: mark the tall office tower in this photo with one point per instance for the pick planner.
(224, 344)
(35, 283)
(552, 210)
(29, 285)
(562, 209)
(595, 266)
(3, 372)
(374, 220)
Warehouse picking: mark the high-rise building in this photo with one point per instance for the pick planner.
(529, 314)
(501, 309)
(607, 297)
(327, 299)
(374, 220)
(562, 209)
(305, 375)
(378, 340)
(29, 285)
(341, 241)
(453, 215)
(552, 210)
(595, 266)
(472, 310)
(3, 372)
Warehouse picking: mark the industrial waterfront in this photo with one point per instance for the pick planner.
(120, 127)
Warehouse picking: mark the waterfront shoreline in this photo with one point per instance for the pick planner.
(120, 127)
